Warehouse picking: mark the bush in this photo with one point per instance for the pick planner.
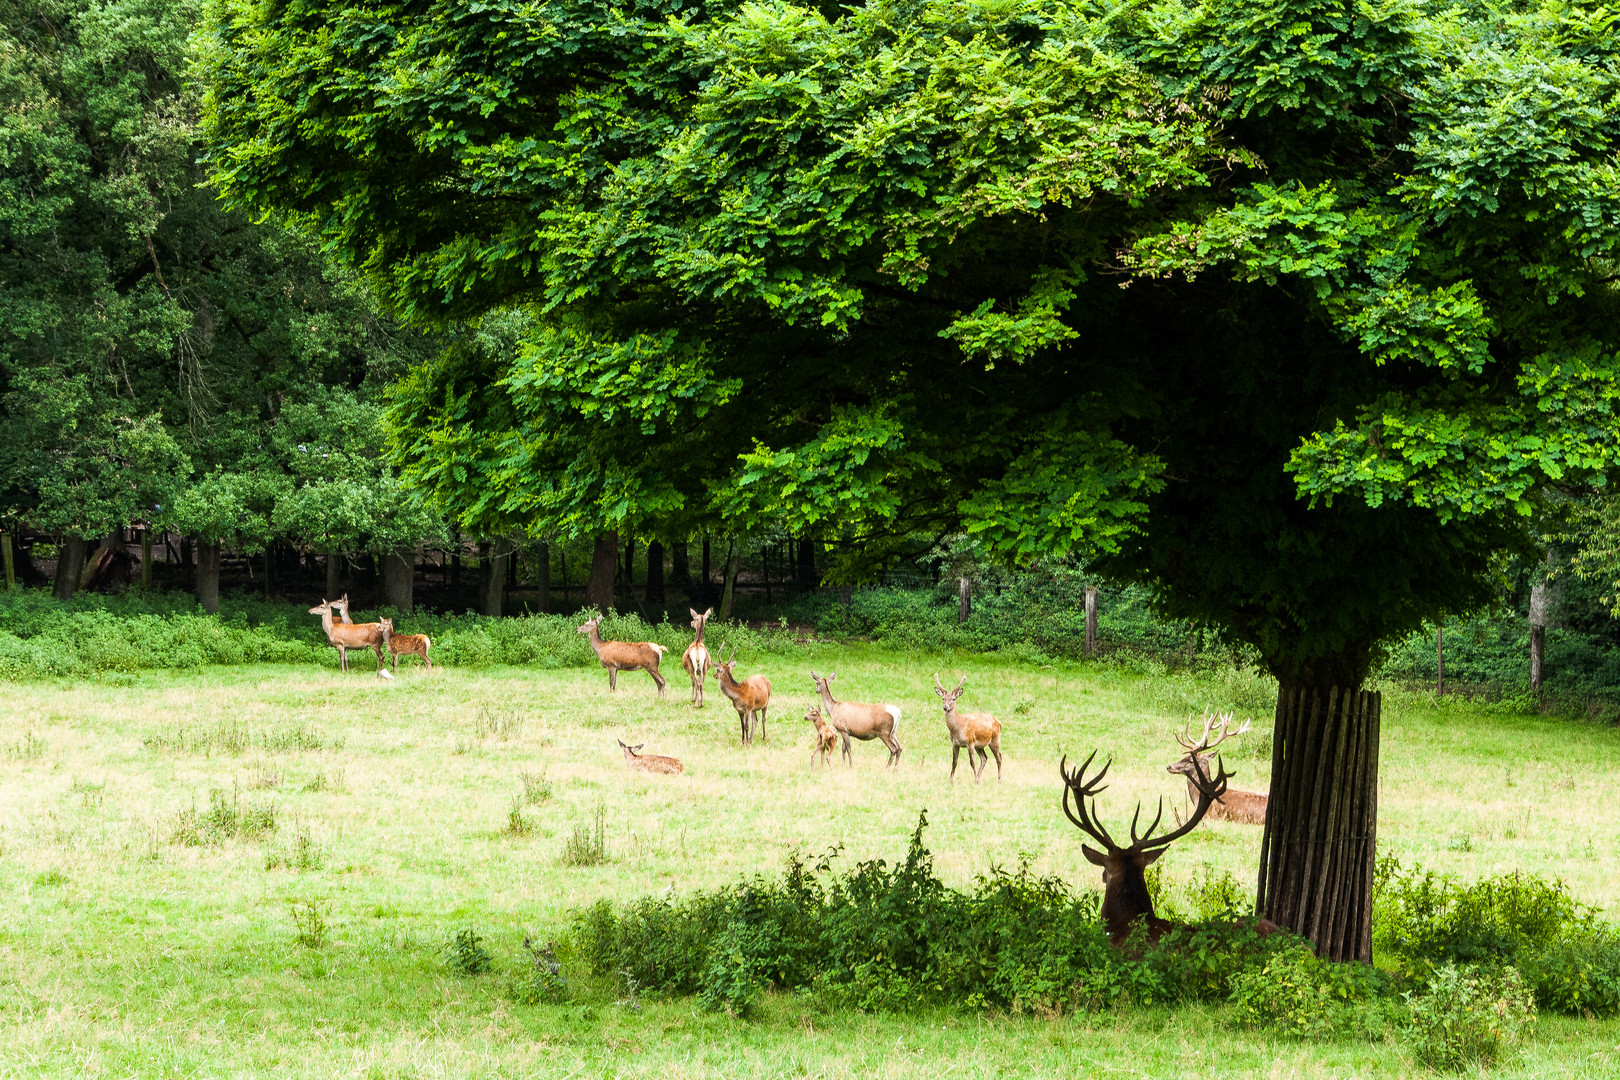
(1470, 1016)
(466, 954)
(1315, 999)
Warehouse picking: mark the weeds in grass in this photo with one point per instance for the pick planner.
(309, 921)
(498, 723)
(90, 795)
(333, 780)
(542, 982)
(536, 788)
(465, 953)
(305, 853)
(587, 844)
(517, 826)
(1469, 1017)
(234, 737)
(29, 748)
(51, 877)
(264, 776)
(226, 818)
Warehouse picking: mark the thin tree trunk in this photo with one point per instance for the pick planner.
(269, 560)
(334, 573)
(542, 577)
(807, 563)
(705, 596)
(680, 570)
(9, 560)
(69, 565)
(1440, 658)
(846, 597)
(146, 558)
(1091, 620)
(730, 589)
(399, 579)
(599, 589)
(455, 575)
(497, 557)
(655, 574)
(1539, 604)
(964, 599)
(1320, 843)
(188, 571)
(208, 576)
(765, 569)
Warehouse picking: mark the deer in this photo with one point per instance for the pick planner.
(696, 657)
(649, 763)
(1126, 904)
(344, 636)
(856, 721)
(405, 644)
(619, 656)
(1244, 807)
(826, 737)
(750, 698)
(976, 731)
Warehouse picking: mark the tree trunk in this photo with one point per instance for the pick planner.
(1091, 620)
(599, 589)
(807, 563)
(1319, 848)
(70, 558)
(9, 560)
(334, 573)
(730, 589)
(496, 561)
(208, 576)
(542, 577)
(704, 595)
(680, 571)
(1540, 602)
(655, 574)
(399, 579)
(1440, 658)
(455, 575)
(146, 558)
(765, 570)
(964, 599)
(188, 573)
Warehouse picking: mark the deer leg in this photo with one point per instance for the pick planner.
(378, 650)
(894, 749)
(613, 678)
(955, 753)
(995, 748)
(659, 679)
(343, 658)
(761, 715)
(847, 756)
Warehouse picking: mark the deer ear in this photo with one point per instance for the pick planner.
(1151, 857)
(1094, 857)
(706, 614)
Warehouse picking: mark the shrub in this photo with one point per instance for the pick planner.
(542, 983)
(587, 844)
(1315, 999)
(465, 953)
(1470, 1016)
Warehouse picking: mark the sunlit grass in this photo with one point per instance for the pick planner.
(125, 953)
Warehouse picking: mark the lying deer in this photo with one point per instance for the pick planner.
(344, 636)
(653, 763)
(856, 721)
(1245, 807)
(826, 737)
(750, 698)
(974, 730)
(619, 656)
(405, 644)
(1126, 902)
(696, 657)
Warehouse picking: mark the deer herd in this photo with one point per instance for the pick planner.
(1127, 907)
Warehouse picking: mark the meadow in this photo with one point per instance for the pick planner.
(256, 870)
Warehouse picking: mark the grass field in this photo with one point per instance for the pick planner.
(149, 911)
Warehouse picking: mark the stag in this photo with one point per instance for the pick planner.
(974, 730)
(1126, 903)
(619, 656)
(696, 657)
(344, 636)
(750, 698)
(857, 721)
(1246, 807)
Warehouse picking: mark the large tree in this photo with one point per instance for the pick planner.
(1289, 309)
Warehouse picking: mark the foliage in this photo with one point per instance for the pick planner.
(542, 983)
(464, 951)
(1298, 994)
(1468, 1017)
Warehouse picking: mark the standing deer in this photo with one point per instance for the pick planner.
(1245, 807)
(405, 644)
(619, 656)
(344, 636)
(696, 657)
(826, 737)
(653, 763)
(1125, 894)
(750, 698)
(974, 730)
(856, 721)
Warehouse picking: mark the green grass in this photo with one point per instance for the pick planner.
(125, 953)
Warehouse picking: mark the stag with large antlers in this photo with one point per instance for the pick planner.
(750, 698)
(1247, 807)
(976, 731)
(1126, 902)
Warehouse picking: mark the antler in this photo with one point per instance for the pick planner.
(1203, 745)
(1076, 785)
(1084, 818)
(1209, 789)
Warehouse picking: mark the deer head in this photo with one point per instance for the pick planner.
(629, 751)
(948, 697)
(698, 620)
(322, 608)
(1125, 893)
(724, 663)
(1195, 763)
(590, 624)
(823, 681)
(387, 626)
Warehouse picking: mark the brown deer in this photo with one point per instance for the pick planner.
(1126, 903)
(344, 636)
(405, 644)
(650, 763)
(856, 721)
(1244, 807)
(619, 656)
(974, 730)
(750, 698)
(696, 657)
(826, 737)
